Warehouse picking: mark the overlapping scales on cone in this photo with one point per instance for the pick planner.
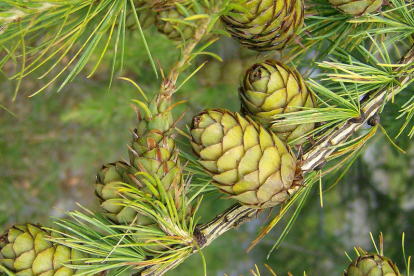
(159, 5)
(269, 25)
(372, 264)
(170, 22)
(108, 181)
(146, 16)
(357, 7)
(272, 88)
(154, 152)
(246, 161)
(26, 251)
(150, 13)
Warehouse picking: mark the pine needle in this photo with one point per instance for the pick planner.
(375, 245)
(349, 258)
(143, 39)
(137, 86)
(9, 111)
(320, 188)
(392, 142)
(190, 76)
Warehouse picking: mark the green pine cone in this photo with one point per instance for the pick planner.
(357, 7)
(146, 16)
(25, 251)
(153, 151)
(272, 88)
(159, 5)
(108, 180)
(269, 25)
(176, 30)
(372, 264)
(148, 12)
(246, 161)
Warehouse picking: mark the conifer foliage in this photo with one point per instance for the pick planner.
(306, 112)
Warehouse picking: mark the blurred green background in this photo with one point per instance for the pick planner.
(51, 150)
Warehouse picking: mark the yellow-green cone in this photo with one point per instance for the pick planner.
(357, 7)
(146, 16)
(148, 12)
(246, 161)
(26, 251)
(153, 151)
(153, 148)
(372, 264)
(176, 30)
(159, 5)
(108, 180)
(269, 25)
(272, 88)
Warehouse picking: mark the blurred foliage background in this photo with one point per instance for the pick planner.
(52, 148)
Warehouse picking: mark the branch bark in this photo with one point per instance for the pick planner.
(317, 154)
(371, 104)
(204, 234)
(168, 86)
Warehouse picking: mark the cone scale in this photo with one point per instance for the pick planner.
(246, 162)
(153, 151)
(271, 88)
(357, 7)
(176, 30)
(268, 25)
(372, 264)
(26, 251)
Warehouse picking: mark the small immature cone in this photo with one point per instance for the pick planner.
(26, 251)
(108, 180)
(246, 161)
(147, 11)
(159, 5)
(357, 7)
(145, 14)
(153, 151)
(269, 25)
(270, 88)
(372, 264)
(176, 30)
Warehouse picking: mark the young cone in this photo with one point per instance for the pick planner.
(108, 181)
(268, 25)
(372, 264)
(146, 16)
(159, 5)
(272, 88)
(246, 161)
(153, 152)
(148, 12)
(26, 251)
(176, 30)
(357, 7)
